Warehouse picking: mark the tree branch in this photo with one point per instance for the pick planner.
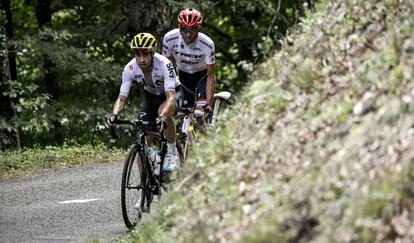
(215, 29)
(117, 24)
(58, 5)
(227, 56)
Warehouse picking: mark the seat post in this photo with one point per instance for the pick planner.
(215, 111)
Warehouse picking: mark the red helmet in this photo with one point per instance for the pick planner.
(190, 17)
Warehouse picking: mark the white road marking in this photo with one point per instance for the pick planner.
(81, 200)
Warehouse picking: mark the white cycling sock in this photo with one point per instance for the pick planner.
(171, 148)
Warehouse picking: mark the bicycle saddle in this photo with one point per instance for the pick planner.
(223, 95)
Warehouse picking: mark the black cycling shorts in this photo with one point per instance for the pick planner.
(148, 110)
(192, 83)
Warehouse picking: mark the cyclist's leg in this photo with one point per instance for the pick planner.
(148, 111)
(189, 82)
(201, 103)
(170, 129)
(202, 93)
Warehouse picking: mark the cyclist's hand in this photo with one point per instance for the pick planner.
(161, 122)
(110, 120)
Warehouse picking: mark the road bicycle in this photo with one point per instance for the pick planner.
(142, 179)
(197, 120)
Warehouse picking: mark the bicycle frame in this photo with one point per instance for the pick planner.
(145, 130)
(193, 116)
(188, 128)
(150, 184)
(196, 120)
(155, 180)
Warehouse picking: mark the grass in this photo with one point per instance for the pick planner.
(31, 161)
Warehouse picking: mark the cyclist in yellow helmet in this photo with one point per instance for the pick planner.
(162, 92)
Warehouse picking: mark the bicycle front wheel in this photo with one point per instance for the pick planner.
(180, 144)
(132, 198)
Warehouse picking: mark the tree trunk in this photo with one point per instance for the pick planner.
(9, 136)
(44, 19)
(149, 16)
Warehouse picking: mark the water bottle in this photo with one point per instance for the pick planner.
(186, 124)
(157, 164)
(152, 156)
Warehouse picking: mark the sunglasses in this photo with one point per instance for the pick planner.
(186, 30)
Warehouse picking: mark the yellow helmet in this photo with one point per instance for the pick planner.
(144, 41)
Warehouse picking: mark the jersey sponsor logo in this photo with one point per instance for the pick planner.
(171, 39)
(188, 55)
(170, 69)
(188, 62)
(205, 43)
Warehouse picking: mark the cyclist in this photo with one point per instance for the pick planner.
(156, 73)
(194, 54)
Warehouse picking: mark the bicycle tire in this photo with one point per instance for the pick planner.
(146, 196)
(190, 138)
(131, 189)
(181, 137)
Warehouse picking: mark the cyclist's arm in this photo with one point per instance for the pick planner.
(119, 105)
(167, 51)
(211, 82)
(126, 84)
(169, 108)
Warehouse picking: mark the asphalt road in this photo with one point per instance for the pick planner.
(66, 205)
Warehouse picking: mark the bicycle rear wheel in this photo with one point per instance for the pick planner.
(189, 140)
(132, 195)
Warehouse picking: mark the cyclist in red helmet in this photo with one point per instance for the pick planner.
(194, 54)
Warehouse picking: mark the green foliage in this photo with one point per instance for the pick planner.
(37, 159)
(87, 42)
(3, 37)
(230, 24)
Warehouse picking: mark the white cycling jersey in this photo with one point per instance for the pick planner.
(190, 58)
(163, 76)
